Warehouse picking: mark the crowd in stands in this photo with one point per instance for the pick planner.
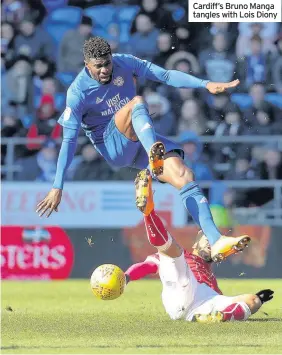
(41, 53)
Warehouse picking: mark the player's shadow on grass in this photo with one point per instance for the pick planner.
(265, 320)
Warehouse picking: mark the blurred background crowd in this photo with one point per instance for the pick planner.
(41, 53)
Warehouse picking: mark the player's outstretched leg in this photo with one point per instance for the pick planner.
(240, 308)
(180, 176)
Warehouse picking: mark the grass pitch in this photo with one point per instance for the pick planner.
(64, 317)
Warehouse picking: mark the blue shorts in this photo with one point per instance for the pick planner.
(120, 151)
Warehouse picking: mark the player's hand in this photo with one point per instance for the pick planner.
(50, 202)
(217, 88)
(265, 295)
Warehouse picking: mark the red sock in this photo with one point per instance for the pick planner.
(140, 270)
(236, 311)
(156, 232)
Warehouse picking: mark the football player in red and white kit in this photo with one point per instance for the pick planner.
(190, 289)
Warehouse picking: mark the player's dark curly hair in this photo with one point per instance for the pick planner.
(95, 47)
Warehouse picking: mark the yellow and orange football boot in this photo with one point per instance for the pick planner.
(213, 317)
(156, 158)
(226, 246)
(144, 192)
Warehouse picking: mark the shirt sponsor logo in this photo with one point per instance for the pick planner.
(114, 104)
(98, 100)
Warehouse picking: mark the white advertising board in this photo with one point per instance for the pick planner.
(86, 204)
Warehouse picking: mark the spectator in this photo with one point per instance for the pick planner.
(33, 41)
(13, 11)
(143, 43)
(231, 126)
(18, 86)
(207, 33)
(40, 167)
(257, 93)
(92, 167)
(37, 9)
(255, 67)
(42, 69)
(7, 43)
(217, 64)
(5, 96)
(45, 124)
(165, 48)
(187, 36)
(183, 61)
(242, 169)
(192, 118)
(228, 29)
(266, 31)
(160, 17)
(159, 108)
(264, 123)
(193, 148)
(70, 57)
(270, 168)
(11, 126)
(277, 65)
(49, 86)
(217, 109)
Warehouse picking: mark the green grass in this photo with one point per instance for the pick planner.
(64, 317)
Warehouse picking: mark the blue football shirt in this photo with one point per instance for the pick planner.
(91, 105)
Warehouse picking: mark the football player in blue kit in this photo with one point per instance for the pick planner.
(102, 100)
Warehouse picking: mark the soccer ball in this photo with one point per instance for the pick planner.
(107, 282)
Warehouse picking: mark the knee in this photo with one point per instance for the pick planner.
(137, 100)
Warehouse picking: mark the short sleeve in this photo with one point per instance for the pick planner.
(72, 116)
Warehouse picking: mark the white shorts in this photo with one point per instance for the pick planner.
(182, 295)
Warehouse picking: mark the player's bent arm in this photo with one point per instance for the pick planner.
(66, 155)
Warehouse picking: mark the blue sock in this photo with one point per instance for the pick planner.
(196, 203)
(143, 126)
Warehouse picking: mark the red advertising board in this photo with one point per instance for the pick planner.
(35, 253)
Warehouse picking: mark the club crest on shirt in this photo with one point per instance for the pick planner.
(67, 113)
(118, 81)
